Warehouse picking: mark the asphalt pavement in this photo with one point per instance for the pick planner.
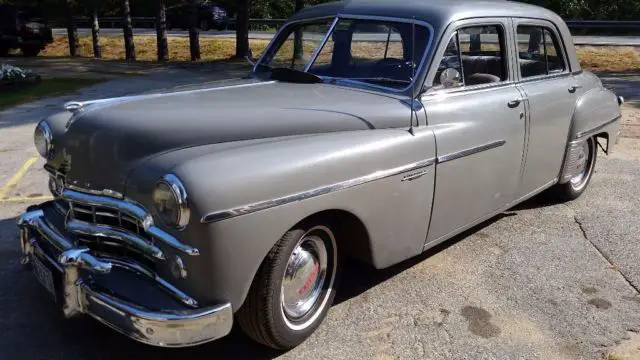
(578, 40)
(542, 281)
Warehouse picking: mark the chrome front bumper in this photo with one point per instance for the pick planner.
(79, 288)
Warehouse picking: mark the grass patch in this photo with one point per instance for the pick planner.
(211, 49)
(609, 58)
(47, 87)
(592, 58)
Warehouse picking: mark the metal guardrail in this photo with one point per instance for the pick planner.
(603, 24)
(149, 22)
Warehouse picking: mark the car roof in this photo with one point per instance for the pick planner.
(435, 12)
(441, 13)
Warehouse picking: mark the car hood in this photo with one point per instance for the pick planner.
(106, 139)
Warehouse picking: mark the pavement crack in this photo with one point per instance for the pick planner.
(604, 255)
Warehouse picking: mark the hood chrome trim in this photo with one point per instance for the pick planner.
(263, 205)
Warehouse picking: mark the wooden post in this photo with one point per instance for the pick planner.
(194, 36)
(95, 31)
(161, 31)
(242, 29)
(298, 48)
(129, 47)
(72, 29)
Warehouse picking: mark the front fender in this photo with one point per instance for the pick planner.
(395, 212)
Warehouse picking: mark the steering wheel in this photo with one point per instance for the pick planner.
(398, 68)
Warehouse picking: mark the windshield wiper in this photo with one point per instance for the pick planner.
(294, 75)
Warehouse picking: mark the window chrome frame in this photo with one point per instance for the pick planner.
(419, 72)
(543, 24)
(511, 78)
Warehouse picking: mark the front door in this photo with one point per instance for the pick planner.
(551, 93)
(479, 123)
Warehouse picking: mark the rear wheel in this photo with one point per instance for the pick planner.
(579, 182)
(294, 288)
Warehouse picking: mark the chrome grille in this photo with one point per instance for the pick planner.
(106, 216)
(102, 218)
(106, 246)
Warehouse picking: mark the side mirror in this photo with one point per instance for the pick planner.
(250, 60)
(450, 78)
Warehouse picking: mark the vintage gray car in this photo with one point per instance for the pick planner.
(368, 129)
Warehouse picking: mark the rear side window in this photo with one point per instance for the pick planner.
(478, 54)
(539, 52)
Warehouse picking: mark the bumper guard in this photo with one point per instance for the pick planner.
(77, 295)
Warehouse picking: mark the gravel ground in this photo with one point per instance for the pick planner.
(544, 280)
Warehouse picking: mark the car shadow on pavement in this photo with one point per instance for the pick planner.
(358, 277)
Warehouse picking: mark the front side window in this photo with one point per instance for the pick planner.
(383, 53)
(539, 52)
(476, 54)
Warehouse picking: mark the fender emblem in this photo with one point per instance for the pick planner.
(415, 175)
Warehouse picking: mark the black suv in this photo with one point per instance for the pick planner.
(20, 30)
(210, 16)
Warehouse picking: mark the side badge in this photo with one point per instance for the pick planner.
(415, 175)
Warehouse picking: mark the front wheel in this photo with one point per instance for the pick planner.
(578, 183)
(294, 288)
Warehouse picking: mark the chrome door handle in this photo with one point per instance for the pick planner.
(514, 103)
(574, 88)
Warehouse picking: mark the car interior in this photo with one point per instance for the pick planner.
(348, 60)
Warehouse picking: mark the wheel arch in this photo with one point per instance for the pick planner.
(352, 235)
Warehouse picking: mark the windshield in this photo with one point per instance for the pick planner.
(382, 53)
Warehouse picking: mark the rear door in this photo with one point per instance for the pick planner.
(551, 93)
(479, 124)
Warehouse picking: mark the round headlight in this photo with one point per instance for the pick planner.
(43, 139)
(170, 201)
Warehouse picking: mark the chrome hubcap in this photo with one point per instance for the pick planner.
(304, 277)
(583, 168)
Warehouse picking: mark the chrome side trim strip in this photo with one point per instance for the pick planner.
(105, 231)
(470, 151)
(133, 210)
(588, 133)
(262, 205)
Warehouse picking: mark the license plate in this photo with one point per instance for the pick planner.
(44, 276)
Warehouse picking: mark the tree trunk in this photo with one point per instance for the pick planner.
(161, 31)
(129, 47)
(72, 30)
(242, 29)
(194, 35)
(95, 31)
(298, 48)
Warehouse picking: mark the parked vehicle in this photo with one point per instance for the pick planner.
(20, 30)
(372, 130)
(210, 16)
